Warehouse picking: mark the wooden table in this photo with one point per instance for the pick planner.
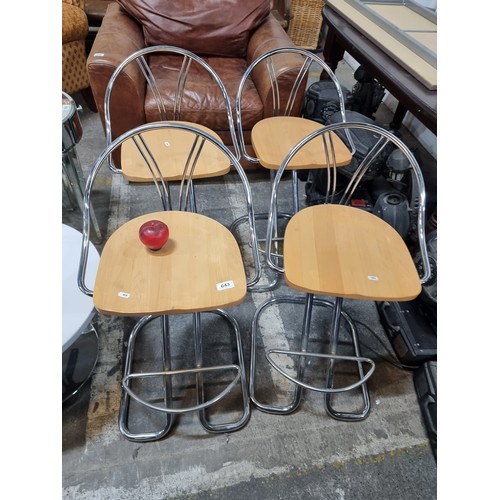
(412, 95)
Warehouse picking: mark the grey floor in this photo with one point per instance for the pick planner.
(303, 455)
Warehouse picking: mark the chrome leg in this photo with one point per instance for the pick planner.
(276, 277)
(125, 402)
(167, 376)
(295, 191)
(308, 301)
(342, 415)
(68, 189)
(192, 198)
(306, 324)
(238, 424)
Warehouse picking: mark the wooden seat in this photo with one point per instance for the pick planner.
(346, 252)
(140, 281)
(343, 252)
(272, 150)
(171, 152)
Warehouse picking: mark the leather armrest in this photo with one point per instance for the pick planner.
(268, 36)
(118, 37)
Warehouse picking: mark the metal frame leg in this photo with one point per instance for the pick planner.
(264, 216)
(334, 338)
(125, 402)
(306, 324)
(276, 278)
(68, 189)
(167, 376)
(238, 424)
(309, 300)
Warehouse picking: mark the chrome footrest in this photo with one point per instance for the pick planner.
(327, 390)
(297, 379)
(201, 406)
(167, 376)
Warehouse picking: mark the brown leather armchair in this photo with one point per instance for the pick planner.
(229, 35)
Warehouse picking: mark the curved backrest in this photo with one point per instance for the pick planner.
(381, 139)
(186, 61)
(268, 62)
(195, 143)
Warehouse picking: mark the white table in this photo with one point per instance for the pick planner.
(79, 338)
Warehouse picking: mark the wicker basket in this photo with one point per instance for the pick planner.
(305, 25)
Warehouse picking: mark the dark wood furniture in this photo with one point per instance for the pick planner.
(412, 95)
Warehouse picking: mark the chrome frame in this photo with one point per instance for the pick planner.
(168, 375)
(309, 301)
(73, 181)
(386, 137)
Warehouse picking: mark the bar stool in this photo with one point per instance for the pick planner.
(332, 252)
(197, 274)
(276, 134)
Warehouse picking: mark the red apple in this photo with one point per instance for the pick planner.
(154, 234)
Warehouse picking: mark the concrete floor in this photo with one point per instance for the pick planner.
(303, 455)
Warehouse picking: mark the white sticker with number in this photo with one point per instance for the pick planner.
(124, 295)
(225, 285)
(373, 278)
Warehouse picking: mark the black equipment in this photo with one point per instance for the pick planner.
(364, 97)
(322, 96)
(366, 94)
(386, 186)
(412, 326)
(425, 380)
(412, 330)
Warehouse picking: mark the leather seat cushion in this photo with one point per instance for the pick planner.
(203, 102)
(211, 27)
